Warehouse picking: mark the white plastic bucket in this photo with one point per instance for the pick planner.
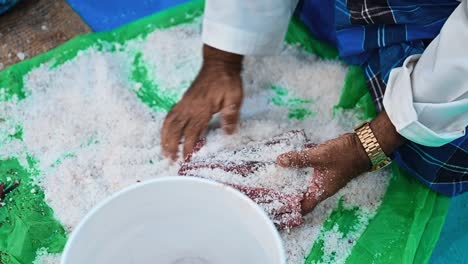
(176, 220)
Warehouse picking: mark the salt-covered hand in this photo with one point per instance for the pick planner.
(339, 160)
(218, 88)
(335, 162)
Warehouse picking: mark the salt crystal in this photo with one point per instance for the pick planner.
(43, 257)
(21, 55)
(93, 113)
(137, 86)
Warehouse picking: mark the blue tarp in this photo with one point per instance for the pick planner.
(106, 15)
(453, 243)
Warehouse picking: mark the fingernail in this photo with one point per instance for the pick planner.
(284, 161)
(170, 156)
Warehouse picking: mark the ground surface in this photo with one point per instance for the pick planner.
(36, 26)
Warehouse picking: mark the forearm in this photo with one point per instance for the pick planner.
(221, 60)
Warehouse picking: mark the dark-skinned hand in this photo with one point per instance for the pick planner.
(218, 88)
(338, 161)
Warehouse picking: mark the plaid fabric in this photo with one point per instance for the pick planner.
(5, 5)
(379, 35)
(443, 169)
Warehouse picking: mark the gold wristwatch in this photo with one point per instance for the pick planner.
(372, 147)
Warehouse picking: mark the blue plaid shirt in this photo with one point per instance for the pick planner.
(379, 35)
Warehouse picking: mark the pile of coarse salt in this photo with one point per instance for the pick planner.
(92, 136)
(43, 257)
(251, 167)
(239, 155)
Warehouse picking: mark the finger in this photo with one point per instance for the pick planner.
(192, 132)
(298, 159)
(315, 193)
(308, 205)
(230, 113)
(288, 220)
(171, 135)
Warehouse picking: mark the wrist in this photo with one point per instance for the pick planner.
(377, 141)
(221, 60)
(363, 161)
(386, 134)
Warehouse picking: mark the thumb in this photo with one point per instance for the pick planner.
(230, 114)
(298, 159)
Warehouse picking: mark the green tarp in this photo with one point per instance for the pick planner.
(405, 229)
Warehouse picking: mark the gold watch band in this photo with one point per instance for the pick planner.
(372, 147)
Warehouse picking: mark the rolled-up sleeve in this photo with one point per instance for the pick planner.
(427, 98)
(247, 27)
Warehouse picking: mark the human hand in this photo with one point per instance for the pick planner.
(338, 161)
(218, 88)
(335, 163)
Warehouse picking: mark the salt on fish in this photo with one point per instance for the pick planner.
(250, 161)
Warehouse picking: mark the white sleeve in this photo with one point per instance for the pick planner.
(427, 98)
(247, 27)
